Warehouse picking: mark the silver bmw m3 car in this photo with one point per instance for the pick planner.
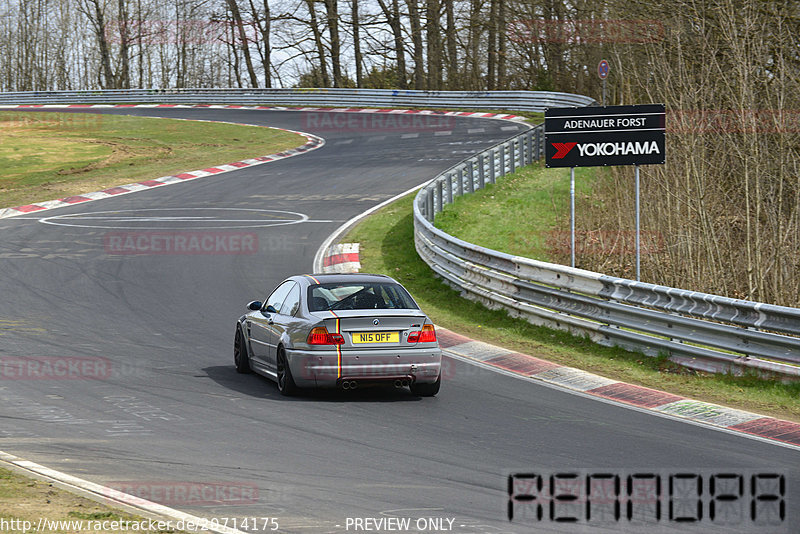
(339, 331)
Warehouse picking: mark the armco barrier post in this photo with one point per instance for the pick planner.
(513, 159)
(438, 196)
(429, 208)
(470, 177)
(492, 162)
(529, 142)
(523, 149)
(449, 187)
(481, 173)
(460, 181)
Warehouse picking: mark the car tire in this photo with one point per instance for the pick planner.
(241, 358)
(286, 384)
(427, 390)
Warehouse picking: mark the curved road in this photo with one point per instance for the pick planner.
(167, 406)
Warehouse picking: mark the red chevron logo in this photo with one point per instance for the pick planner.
(562, 149)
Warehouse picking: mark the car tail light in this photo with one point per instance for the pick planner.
(427, 335)
(320, 336)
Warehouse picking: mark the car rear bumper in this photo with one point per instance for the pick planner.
(318, 368)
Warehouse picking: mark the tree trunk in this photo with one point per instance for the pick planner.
(434, 44)
(393, 18)
(123, 72)
(237, 20)
(96, 15)
(264, 29)
(502, 36)
(491, 46)
(332, 9)
(475, 32)
(357, 45)
(323, 66)
(452, 54)
(416, 38)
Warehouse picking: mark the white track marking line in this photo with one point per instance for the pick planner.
(111, 496)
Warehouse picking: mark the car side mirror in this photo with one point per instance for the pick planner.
(255, 305)
(270, 309)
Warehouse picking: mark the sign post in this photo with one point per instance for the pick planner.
(602, 72)
(638, 227)
(572, 215)
(602, 136)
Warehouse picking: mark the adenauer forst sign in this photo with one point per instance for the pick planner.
(608, 135)
(604, 135)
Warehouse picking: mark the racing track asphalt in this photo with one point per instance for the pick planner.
(172, 409)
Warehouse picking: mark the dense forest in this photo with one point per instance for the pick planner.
(725, 207)
(417, 44)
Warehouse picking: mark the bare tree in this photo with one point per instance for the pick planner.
(434, 43)
(237, 20)
(332, 10)
(317, 33)
(95, 12)
(263, 22)
(416, 39)
(452, 51)
(395, 23)
(359, 58)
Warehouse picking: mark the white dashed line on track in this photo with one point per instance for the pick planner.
(444, 132)
(409, 136)
(476, 130)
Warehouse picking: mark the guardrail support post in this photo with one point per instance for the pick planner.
(529, 143)
(438, 196)
(460, 181)
(481, 171)
(449, 187)
(492, 166)
(502, 160)
(470, 177)
(512, 164)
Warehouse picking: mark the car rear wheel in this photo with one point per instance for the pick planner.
(427, 390)
(240, 356)
(286, 383)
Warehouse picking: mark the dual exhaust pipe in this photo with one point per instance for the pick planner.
(353, 384)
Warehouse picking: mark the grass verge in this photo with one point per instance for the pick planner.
(387, 246)
(535, 197)
(27, 500)
(45, 156)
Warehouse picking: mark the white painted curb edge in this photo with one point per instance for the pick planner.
(110, 496)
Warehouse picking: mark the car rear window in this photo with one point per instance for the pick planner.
(359, 296)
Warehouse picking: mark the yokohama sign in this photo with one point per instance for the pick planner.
(611, 135)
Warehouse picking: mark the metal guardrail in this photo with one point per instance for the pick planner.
(535, 101)
(701, 331)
